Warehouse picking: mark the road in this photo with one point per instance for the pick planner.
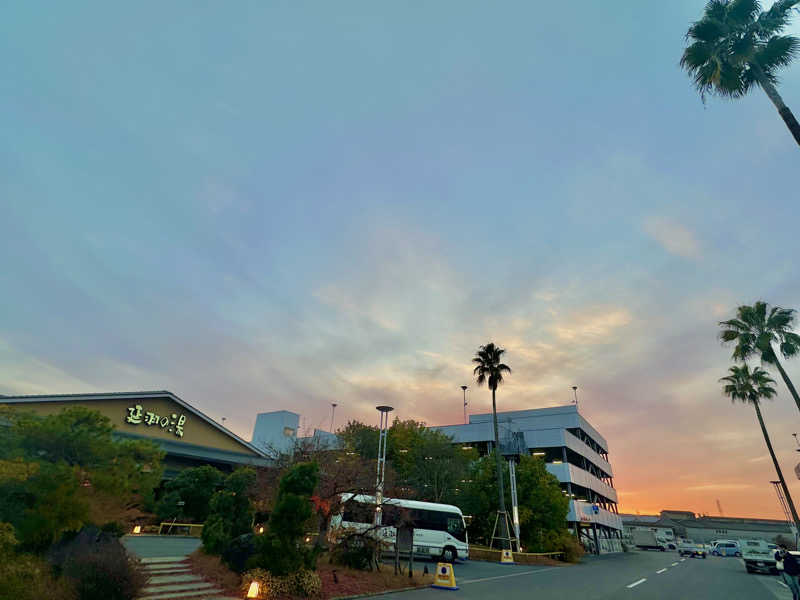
(634, 576)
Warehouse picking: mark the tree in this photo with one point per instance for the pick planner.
(59, 472)
(230, 511)
(750, 387)
(756, 330)
(194, 487)
(490, 370)
(542, 505)
(735, 46)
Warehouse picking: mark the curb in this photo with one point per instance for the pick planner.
(383, 593)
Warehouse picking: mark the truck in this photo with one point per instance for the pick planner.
(692, 549)
(757, 556)
(645, 539)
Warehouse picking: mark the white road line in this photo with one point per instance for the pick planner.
(507, 576)
(635, 583)
(661, 571)
(683, 559)
(674, 564)
(783, 584)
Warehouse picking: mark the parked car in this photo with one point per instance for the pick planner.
(692, 549)
(726, 548)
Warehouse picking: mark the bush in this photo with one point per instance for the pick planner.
(239, 551)
(98, 566)
(230, 511)
(303, 583)
(355, 551)
(563, 541)
(26, 577)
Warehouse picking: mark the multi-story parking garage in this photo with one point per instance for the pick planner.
(574, 452)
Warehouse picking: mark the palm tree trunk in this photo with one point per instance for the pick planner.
(783, 110)
(777, 466)
(499, 464)
(788, 382)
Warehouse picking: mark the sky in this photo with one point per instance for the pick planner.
(263, 206)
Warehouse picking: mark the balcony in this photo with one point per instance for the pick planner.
(565, 472)
(582, 511)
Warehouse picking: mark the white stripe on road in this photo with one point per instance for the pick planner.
(661, 571)
(674, 564)
(683, 559)
(635, 583)
(507, 576)
(783, 584)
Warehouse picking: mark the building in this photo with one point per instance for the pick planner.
(574, 452)
(188, 437)
(706, 529)
(275, 433)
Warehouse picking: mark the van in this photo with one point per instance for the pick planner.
(726, 548)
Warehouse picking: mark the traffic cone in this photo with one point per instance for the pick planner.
(507, 558)
(445, 579)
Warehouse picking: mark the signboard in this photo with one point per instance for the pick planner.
(172, 423)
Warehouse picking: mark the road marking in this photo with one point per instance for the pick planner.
(635, 583)
(783, 584)
(674, 564)
(683, 559)
(507, 576)
(661, 571)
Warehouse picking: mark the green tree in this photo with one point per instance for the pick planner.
(279, 550)
(750, 387)
(757, 330)
(230, 511)
(490, 370)
(59, 472)
(542, 505)
(194, 487)
(735, 47)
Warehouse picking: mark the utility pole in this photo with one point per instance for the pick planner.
(464, 389)
(333, 412)
(575, 391)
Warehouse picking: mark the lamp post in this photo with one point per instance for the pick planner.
(575, 391)
(333, 412)
(464, 389)
(382, 439)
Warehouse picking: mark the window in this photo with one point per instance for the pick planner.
(358, 512)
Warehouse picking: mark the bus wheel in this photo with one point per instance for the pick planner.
(449, 555)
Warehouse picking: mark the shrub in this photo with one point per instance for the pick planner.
(98, 566)
(303, 582)
(354, 550)
(563, 541)
(239, 551)
(230, 511)
(27, 577)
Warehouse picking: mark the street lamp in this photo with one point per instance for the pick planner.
(333, 412)
(382, 439)
(464, 389)
(575, 391)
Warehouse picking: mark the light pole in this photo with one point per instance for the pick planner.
(382, 439)
(333, 412)
(464, 389)
(575, 391)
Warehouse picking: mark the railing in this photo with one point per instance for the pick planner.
(190, 529)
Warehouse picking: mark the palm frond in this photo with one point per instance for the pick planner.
(740, 13)
(776, 18)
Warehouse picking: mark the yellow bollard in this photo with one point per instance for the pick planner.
(445, 579)
(507, 558)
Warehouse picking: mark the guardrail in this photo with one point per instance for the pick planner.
(190, 529)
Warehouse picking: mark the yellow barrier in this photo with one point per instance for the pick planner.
(190, 529)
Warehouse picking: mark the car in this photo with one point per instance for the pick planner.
(692, 549)
(726, 548)
(757, 557)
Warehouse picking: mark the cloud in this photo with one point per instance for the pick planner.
(594, 324)
(719, 487)
(673, 237)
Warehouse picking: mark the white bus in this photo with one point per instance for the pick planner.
(439, 529)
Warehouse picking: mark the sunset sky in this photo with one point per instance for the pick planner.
(279, 205)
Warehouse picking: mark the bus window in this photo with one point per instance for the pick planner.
(455, 526)
(358, 512)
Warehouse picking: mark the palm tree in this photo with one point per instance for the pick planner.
(736, 46)
(490, 370)
(756, 329)
(750, 387)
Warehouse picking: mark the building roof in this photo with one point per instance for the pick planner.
(117, 395)
(735, 523)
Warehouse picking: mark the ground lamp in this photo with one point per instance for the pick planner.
(137, 529)
(253, 590)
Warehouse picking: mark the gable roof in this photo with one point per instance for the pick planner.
(131, 395)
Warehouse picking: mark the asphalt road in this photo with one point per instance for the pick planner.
(635, 575)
